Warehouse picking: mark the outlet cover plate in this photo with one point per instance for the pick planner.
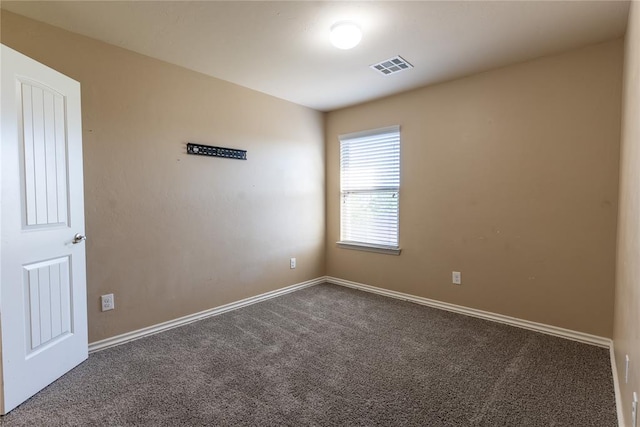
(456, 278)
(107, 302)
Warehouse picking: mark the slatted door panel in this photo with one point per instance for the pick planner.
(47, 302)
(44, 147)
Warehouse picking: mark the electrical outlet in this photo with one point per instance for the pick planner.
(292, 263)
(108, 302)
(456, 278)
(634, 410)
(626, 369)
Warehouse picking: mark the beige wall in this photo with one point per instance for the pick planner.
(627, 302)
(171, 234)
(509, 177)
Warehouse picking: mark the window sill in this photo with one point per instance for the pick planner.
(388, 250)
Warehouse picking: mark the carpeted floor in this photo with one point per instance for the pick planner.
(328, 355)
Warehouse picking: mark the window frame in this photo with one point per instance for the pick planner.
(365, 246)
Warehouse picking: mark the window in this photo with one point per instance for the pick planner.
(369, 190)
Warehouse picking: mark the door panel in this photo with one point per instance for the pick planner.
(47, 295)
(43, 289)
(44, 147)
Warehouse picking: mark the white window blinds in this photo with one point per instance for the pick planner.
(369, 186)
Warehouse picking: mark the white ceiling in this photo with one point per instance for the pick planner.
(283, 49)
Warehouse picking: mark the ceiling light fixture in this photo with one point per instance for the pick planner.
(345, 35)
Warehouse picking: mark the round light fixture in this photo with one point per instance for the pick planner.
(345, 35)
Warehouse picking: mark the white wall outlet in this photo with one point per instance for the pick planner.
(292, 263)
(634, 410)
(626, 369)
(108, 302)
(456, 278)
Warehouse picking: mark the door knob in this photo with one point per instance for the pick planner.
(78, 238)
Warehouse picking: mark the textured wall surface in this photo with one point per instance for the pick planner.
(511, 178)
(626, 332)
(172, 234)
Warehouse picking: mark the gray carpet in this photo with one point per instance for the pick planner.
(328, 355)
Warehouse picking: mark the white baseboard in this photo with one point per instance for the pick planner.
(160, 327)
(616, 385)
(520, 323)
(513, 321)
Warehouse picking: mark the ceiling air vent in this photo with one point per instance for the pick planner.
(392, 65)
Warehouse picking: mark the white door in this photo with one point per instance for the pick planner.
(43, 306)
